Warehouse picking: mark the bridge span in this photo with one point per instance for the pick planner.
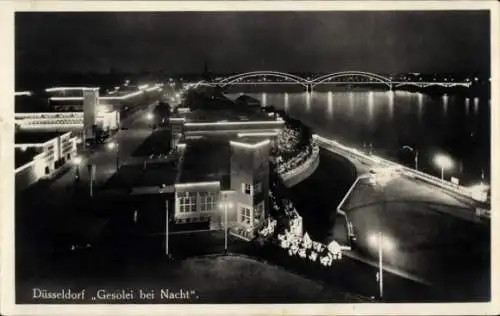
(337, 78)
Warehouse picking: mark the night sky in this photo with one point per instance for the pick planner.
(383, 42)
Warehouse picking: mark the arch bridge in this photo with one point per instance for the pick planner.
(336, 78)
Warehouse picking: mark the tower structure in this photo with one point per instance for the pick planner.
(90, 102)
(250, 182)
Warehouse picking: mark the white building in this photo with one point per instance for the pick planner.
(39, 155)
(64, 121)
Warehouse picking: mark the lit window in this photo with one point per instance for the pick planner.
(245, 215)
(187, 202)
(247, 188)
(208, 201)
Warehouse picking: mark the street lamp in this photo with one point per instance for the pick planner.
(443, 162)
(225, 206)
(77, 161)
(114, 146)
(149, 116)
(382, 243)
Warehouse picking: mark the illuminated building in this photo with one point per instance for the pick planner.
(39, 154)
(224, 163)
(217, 168)
(64, 121)
(69, 115)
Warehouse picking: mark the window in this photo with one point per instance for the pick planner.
(208, 201)
(187, 202)
(245, 215)
(246, 188)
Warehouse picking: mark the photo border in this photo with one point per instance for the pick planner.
(7, 293)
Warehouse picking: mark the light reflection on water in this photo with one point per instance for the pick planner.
(330, 105)
(445, 104)
(391, 119)
(308, 101)
(391, 104)
(420, 105)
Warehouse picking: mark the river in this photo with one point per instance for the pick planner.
(455, 125)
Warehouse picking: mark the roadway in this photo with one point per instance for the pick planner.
(52, 203)
(436, 238)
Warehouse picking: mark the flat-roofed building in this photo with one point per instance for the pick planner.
(70, 108)
(221, 170)
(67, 109)
(218, 172)
(39, 154)
(64, 121)
(204, 171)
(228, 122)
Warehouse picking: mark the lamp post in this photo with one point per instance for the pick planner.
(378, 240)
(115, 146)
(77, 161)
(382, 244)
(224, 205)
(443, 162)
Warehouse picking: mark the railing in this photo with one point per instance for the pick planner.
(302, 167)
(350, 229)
(444, 184)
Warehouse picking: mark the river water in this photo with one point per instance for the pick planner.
(454, 125)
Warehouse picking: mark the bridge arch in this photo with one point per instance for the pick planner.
(341, 74)
(282, 75)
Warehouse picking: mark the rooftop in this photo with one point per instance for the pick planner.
(225, 114)
(135, 176)
(253, 140)
(207, 160)
(35, 137)
(22, 157)
(157, 174)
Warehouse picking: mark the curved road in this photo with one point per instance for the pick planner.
(435, 238)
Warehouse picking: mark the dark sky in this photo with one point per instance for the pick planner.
(384, 42)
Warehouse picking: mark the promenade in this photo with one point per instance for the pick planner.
(436, 237)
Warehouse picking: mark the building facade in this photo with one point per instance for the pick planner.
(250, 182)
(64, 121)
(51, 151)
(240, 202)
